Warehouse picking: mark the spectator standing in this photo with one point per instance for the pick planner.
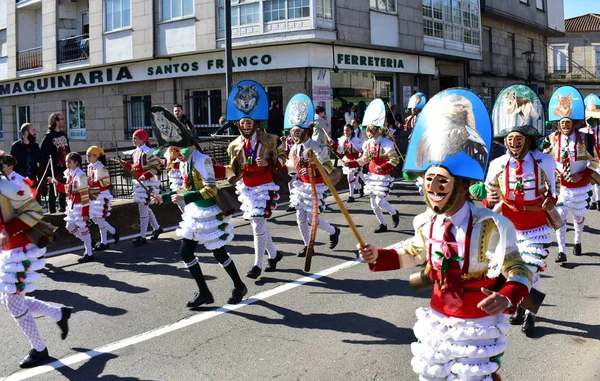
(322, 129)
(178, 112)
(349, 115)
(275, 121)
(27, 152)
(55, 144)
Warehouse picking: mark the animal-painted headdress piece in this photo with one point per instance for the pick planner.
(453, 131)
(375, 114)
(300, 112)
(566, 102)
(417, 101)
(247, 99)
(518, 109)
(592, 106)
(169, 131)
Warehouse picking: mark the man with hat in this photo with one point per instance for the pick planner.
(576, 161)
(381, 155)
(203, 221)
(521, 183)
(254, 156)
(462, 334)
(299, 120)
(145, 170)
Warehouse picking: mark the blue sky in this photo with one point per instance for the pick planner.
(580, 7)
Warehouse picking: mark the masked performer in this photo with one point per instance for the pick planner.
(203, 221)
(78, 204)
(350, 146)
(100, 197)
(175, 178)
(576, 161)
(299, 119)
(592, 120)
(381, 155)
(462, 334)
(20, 261)
(145, 168)
(521, 183)
(254, 156)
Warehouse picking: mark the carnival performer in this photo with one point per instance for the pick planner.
(20, 261)
(9, 162)
(521, 184)
(415, 104)
(576, 160)
(592, 120)
(78, 204)
(381, 155)
(254, 156)
(175, 178)
(299, 120)
(462, 334)
(350, 146)
(203, 221)
(144, 169)
(286, 144)
(100, 197)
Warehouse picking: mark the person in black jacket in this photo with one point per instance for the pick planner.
(27, 152)
(55, 144)
(178, 112)
(275, 121)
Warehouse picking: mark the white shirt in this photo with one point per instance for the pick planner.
(460, 222)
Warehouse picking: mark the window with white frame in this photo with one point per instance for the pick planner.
(384, 5)
(76, 120)
(559, 54)
(456, 20)
(206, 110)
(172, 9)
(3, 45)
(325, 9)
(138, 114)
(247, 12)
(22, 115)
(539, 4)
(117, 14)
(524, 1)
(274, 10)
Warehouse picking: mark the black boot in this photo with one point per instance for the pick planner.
(156, 233)
(518, 317)
(237, 294)
(200, 299)
(33, 358)
(117, 235)
(63, 323)
(361, 192)
(594, 206)
(334, 238)
(101, 247)
(139, 241)
(577, 249)
(272, 266)
(350, 199)
(254, 272)
(560, 258)
(528, 327)
(382, 228)
(290, 209)
(302, 252)
(396, 219)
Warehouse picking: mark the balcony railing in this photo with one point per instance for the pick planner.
(73, 49)
(29, 58)
(576, 73)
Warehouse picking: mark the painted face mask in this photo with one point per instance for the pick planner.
(441, 189)
(566, 126)
(516, 145)
(372, 132)
(247, 127)
(298, 134)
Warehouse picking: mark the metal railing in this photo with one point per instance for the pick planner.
(73, 49)
(29, 58)
(576, 72)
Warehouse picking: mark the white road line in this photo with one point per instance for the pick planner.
(195, 319)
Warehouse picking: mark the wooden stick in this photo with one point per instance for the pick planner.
(339, 201)
(54, 177)
(310, 249)
(43, 178)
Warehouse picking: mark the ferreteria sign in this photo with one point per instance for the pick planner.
(267, 58)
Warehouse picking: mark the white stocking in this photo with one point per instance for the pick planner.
(153, 220)
(84, 235)
(143, 208)
(385, 205)
(302, 219)
(259, 229)
(578, 225)
(562, 232)
(271, 250)
(17, 308)
(39, 308)
(377, 210)
(105, 228)
(324, 225)
(351, 183)
(596, 196)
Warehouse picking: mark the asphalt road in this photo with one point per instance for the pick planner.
(340, 322)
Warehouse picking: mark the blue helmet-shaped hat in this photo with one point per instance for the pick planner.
(566, 102)
(300, 112)
(247, 99)
(518, 109)
(592, 106)
(453, 131)
(417, 101)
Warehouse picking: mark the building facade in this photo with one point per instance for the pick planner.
(575, 58)
(104, 63)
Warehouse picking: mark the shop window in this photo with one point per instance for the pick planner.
(172, 9)
(275, 93)
(76, 120)
(384, 5)
(117, 14)
(325, 9)
(138, 115)
(206, 111)
(456, 20)
(23, 115)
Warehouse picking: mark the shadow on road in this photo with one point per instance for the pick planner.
(347, 322)
(586, 331)
(78, 302)
(372, 289)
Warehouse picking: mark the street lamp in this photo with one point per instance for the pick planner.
(530, 56)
